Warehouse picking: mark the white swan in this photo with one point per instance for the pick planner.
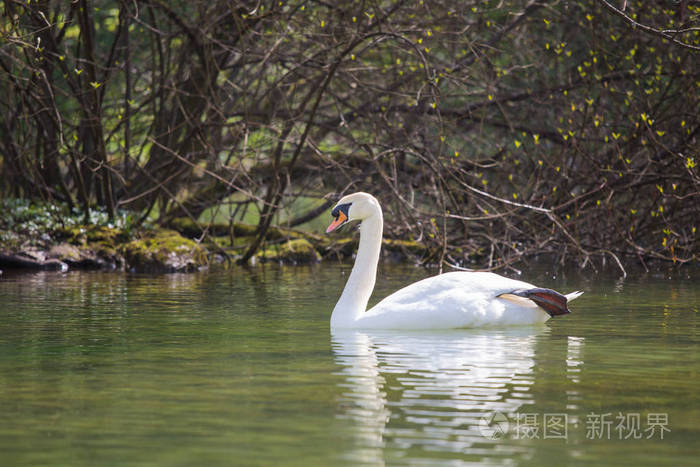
(451, 300)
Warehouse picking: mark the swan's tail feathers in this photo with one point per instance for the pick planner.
(573, 295)
(549, 300)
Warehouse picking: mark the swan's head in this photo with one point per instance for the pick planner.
(355, 207)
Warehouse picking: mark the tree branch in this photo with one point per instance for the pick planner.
(665, 33)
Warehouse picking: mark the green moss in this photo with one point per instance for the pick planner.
(87, 234)
(291, 252)
(106, 251)
(404, 246)
(111, 235)
(75, 235)
(163, 251)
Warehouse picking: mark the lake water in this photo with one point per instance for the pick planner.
(239, 367)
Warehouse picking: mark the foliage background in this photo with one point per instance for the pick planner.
(490, 130)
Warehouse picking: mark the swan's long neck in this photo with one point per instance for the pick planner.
(353, 302)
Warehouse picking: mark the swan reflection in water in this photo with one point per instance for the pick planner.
(432, 390)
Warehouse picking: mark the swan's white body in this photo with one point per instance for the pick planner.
(451, 300)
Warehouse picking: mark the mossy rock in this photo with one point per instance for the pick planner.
(30, 258)
(163, 251)
(65, 252)
(84, 234)
(108, 235)
(91, 256)
(297, 251)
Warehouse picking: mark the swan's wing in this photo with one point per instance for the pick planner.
(482, 284)
(457, 291)
(464, 299)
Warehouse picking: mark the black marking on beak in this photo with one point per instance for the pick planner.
(340, 217)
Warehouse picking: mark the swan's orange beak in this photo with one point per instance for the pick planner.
(337, 222)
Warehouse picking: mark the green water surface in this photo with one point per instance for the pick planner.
(239, 367)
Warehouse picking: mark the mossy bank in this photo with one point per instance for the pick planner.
(54, 237)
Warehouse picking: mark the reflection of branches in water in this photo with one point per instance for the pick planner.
(431, 389)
